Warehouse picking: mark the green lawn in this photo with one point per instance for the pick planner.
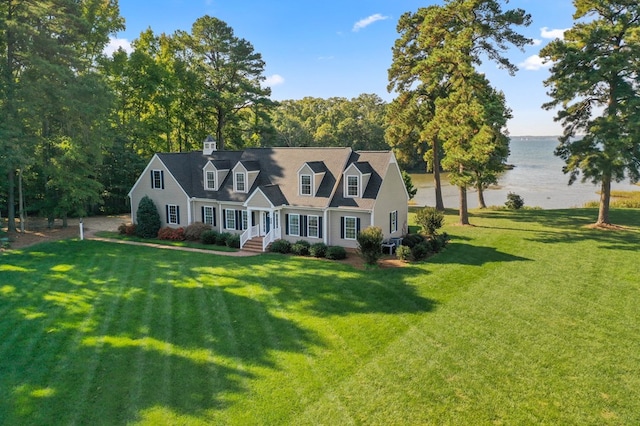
(526, 318)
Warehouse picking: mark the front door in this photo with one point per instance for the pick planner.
(266, 223)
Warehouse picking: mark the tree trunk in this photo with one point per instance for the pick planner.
(464, 211)
(481, 202)
(11, 201)
(436, 176)
(605, 198)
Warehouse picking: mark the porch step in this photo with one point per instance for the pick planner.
(254, 245)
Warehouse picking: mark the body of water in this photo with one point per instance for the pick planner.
(537, 177)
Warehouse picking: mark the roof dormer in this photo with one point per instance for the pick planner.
(356, 178)
(214, 173)
(310, 177)
(244, 175)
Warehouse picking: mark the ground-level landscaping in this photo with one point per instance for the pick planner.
(528, 317)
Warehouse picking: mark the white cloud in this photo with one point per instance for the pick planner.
(115, 44)
(274, 80)
(536, 42)
(534, 63)
(363, 23)
(545, 32)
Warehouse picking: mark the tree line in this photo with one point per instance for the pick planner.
(78, 126)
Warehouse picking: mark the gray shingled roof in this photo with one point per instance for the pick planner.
(278, 178)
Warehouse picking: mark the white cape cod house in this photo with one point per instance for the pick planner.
(316, 194)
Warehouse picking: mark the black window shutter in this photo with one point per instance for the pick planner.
(286, 224)
(202, 210)
(320, 227)
(253, 218)
(152, 179)
(166, 209)
(357, 225)
(238, 220)
(303, 219)
(215, 218)
(224, 219)
(342, 227)
(391, 222)
(162, 179)
(178, 214)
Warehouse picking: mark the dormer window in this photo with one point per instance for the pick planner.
(210, 180)
(305, 185)
(353, 186)
(240, 182)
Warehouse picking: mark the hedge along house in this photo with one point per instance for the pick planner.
(317, 194)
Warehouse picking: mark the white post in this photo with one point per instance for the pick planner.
(81, 230)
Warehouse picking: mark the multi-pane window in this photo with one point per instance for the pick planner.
(313, 226)
(245, 219)
(350, 228)
(172, 214)
(208, 215)
(211, 180)
(294, 224)
(305, 184)
(156, 179)
(393, 221)
(352, 186)
(230, 219)
(240, 186)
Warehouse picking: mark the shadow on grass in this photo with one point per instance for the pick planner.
(96, 332)
(467, 254)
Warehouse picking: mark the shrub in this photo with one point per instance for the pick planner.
(514, 201)
(300, 248)
(410, 240)
(209, 237)
(403, 253)
(171, 234)
(127, 229)
(430, 220)
(369, 241)
(148, 219)
(420, 251)
(318, 250)
(233, 241)
(280, 246)
(194, 231)
(336, 253)
(221, 239)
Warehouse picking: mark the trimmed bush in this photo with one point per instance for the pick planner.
(410, 240)
(194, 231)
(318, 250)
(300, 249)
(209, 237)
(514, 201)
(369, 244)
(403, 253)
(430, 220)
(127, 229)
(171, 234)
(148, 219)
(233, 241)
(420, 251)
(222, 238)
(336, 253)
(280, 246)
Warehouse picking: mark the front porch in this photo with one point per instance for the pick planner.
(264, 229)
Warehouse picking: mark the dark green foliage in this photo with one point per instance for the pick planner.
(194, 231)
(410, 240)
(209, 237)
(369, 244)
(336, 253)
(430, 220)
(280, 246)
(514, 201)
(403, 253)
(233, 241)
(221, 239)
(148, 219)
(318, 250)
(420, 251)
(408, 183)
(301, 248)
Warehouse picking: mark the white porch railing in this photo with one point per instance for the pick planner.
(268, 239)
(248, 234)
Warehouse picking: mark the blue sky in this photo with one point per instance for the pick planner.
(343, 47)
